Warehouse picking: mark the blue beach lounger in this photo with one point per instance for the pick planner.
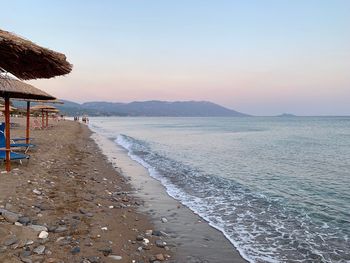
(2, 128)
(19, 145)
(13, 155)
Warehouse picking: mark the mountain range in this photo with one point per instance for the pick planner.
(145, 108)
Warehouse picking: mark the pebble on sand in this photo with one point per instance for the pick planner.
(37, 192)
(43, 235)
(115, 257)
(39, 250)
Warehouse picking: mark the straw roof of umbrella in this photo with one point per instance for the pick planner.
(54, 110)
(27, 60)
(13, 88)
(50, 101)
(43, 107)
(55, 101)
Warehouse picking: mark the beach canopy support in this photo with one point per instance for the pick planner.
(55, 101)
(2, 108)
(45, 109)
(12, 88)
(27, 60)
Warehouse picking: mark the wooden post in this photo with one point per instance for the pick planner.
(47, 119)
(7, 133)
(28, 121)
(42, 119)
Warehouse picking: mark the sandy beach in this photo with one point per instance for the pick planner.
(68, 190)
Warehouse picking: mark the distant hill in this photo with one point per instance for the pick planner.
(148, 108)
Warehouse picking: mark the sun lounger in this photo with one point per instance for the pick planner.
(26, 146)
(20, 139)
(2, 128)
(13, 156)
(36, 125)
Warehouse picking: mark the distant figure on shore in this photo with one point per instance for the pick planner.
(85, 119)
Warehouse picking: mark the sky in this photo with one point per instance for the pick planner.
(261, 57)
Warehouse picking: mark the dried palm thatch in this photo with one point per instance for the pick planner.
(43, 107)
(56, 101)
(27, 60)
(12, 88)
(54, 111)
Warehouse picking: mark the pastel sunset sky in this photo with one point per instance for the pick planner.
(260, 57)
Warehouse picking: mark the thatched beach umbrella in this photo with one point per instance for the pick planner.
(27, 60)
(28, 112)
(53, 111)
(12, 88)
(44, 109)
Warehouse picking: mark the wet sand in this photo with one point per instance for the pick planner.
(68, 190)
(191, 238)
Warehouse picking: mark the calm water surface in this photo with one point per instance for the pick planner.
(278, 188)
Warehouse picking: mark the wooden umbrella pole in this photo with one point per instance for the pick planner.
(28, 122)
(42, 119)
(7, 133)
(47, 119)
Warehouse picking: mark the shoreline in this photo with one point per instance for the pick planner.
(194, 239)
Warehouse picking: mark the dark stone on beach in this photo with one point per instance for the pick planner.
(38, 228)
(51, 228)
(123, 206)
(160, 243)
(85, 212)
(152, 259)
(94, 259)
(26, 253)
(60, 229)
(39, 250)
(139, 238)
(24, 220)
(75, 250)
(155, 259)
(82, 211)
(43, 207)
(157, 233)
(89, 214)
(106, 251)
(10, 241)
(10, 216)
(76, 217)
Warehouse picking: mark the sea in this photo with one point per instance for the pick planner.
(277, 187)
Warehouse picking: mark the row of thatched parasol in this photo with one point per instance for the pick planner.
(25, 60)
